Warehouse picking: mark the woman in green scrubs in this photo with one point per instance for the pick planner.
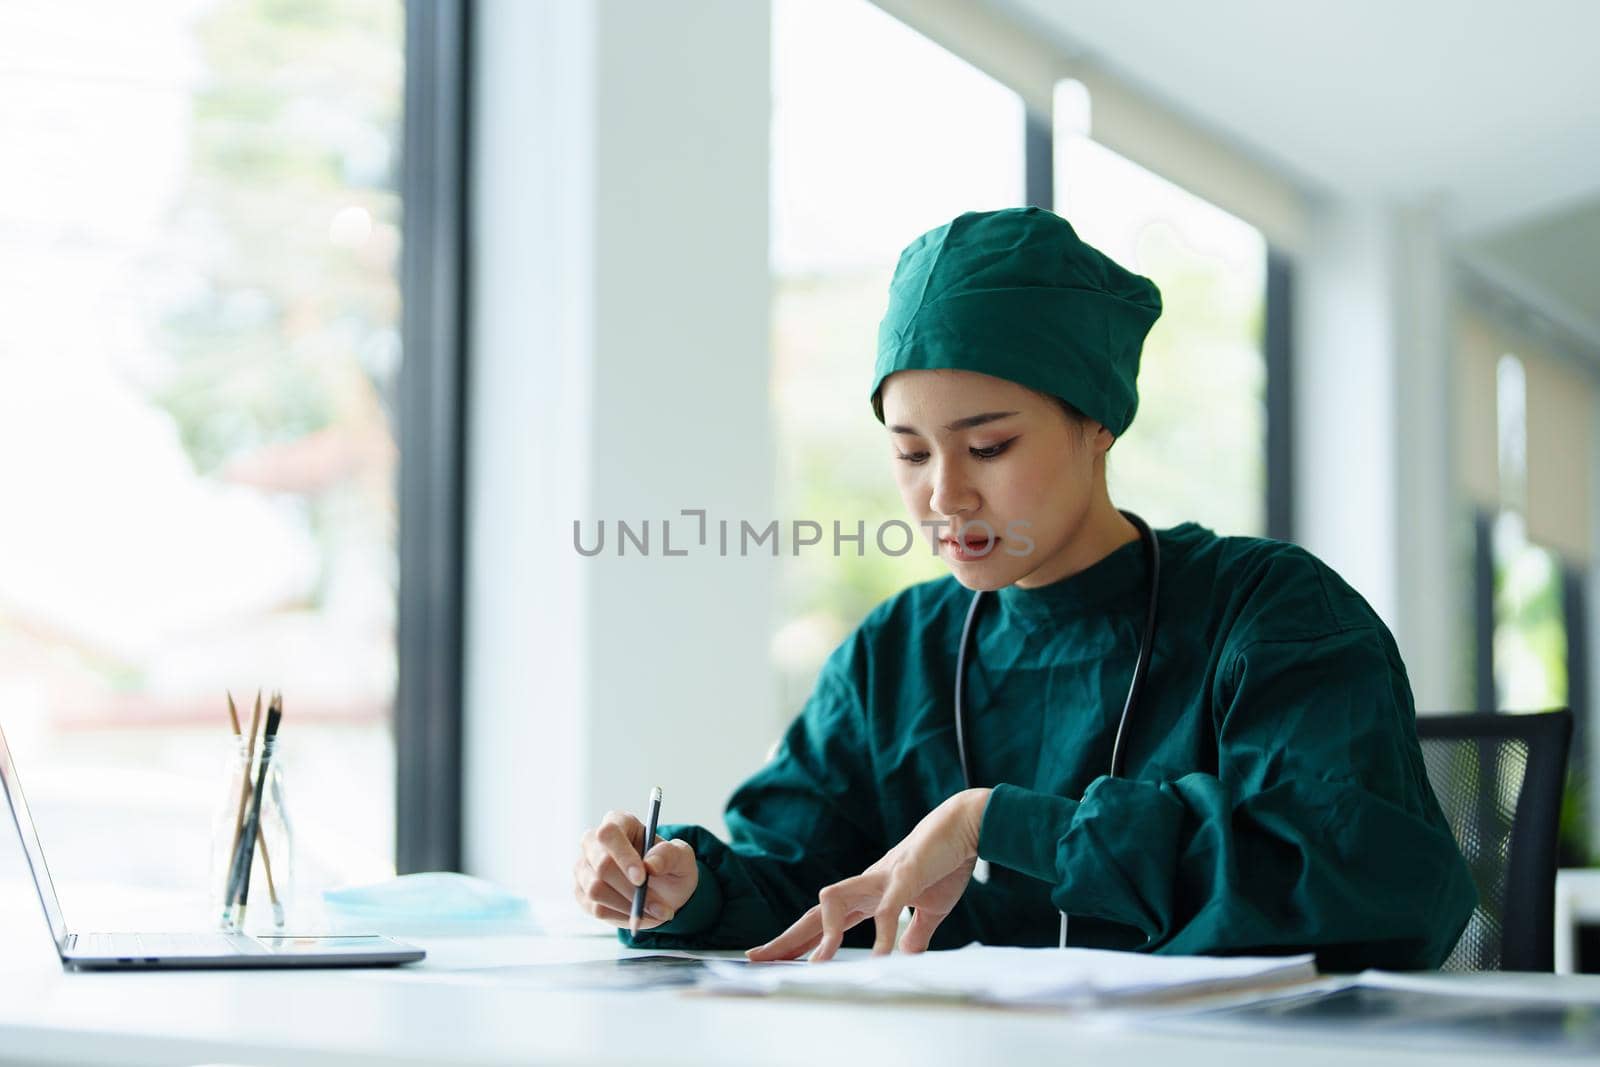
(1272, 797)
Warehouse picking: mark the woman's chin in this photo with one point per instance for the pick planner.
(983, 574)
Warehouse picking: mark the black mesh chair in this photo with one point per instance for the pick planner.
(1499, 780)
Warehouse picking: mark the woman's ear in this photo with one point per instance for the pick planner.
(1103, 438)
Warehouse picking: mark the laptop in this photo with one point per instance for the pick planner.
(80, 951)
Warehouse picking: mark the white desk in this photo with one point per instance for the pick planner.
(429, 1014)
(1577, 902)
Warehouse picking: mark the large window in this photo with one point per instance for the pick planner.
(1532, 541)
(199, 351)
(1197, 449)
(863, 161)
(1530, 641)
(1530, 628)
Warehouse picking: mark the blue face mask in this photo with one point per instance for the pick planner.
(431, 899)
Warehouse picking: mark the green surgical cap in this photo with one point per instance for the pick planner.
(1015, 294)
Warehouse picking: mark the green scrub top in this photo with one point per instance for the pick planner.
(1274, 798)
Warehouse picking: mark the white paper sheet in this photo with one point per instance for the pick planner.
(989, 974)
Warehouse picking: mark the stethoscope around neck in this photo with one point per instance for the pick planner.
(1141, 666)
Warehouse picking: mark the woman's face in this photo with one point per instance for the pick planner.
(968, 449)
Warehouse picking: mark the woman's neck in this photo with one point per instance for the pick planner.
(1103, 531)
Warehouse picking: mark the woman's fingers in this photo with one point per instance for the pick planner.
(889, 901)
(929, 868)
(623, 919)
(841, 906)
(820, 931)
(670, 859)
(886, 921)
(800, 938)
(920, 932)
(879, 893)
(621, 836)
(601, 860)
(827, 945)
(610, 868)
(613, 909)
(808, 946)
(596, 889)
(601, 880)
(838, 904)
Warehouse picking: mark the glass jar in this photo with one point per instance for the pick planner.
(270, 867)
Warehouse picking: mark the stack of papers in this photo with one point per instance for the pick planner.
(1073, 977)
(1539, 1014)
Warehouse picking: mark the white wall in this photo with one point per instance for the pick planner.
(1431, 536)
(619, 362)
(1375, 492)
(1344, 404)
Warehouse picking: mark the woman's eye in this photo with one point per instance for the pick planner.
(992, 451)
(913, 457)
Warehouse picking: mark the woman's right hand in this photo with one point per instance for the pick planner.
(609, 868)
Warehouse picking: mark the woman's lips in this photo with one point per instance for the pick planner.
(973, 548)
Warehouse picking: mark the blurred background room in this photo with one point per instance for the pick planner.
(323, 323)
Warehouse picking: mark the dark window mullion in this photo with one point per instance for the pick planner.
(1575, 609)
(1483, 611)
(1278, 352)
(428, 711)
(1038, 161)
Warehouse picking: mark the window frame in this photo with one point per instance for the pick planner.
(432, 439)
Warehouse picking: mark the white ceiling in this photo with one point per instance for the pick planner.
(1494, 107)
(1558, 257)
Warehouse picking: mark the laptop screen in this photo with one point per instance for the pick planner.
(12, 788)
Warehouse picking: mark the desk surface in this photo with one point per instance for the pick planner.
(1577, 902)
(443, 1012)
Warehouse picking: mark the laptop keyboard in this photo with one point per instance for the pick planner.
(160, 946)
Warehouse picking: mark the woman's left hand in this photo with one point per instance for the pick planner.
(927, 871)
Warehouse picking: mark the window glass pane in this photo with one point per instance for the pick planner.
(878, 135)
(198, 356)
(1197, 448)
(1530, 630)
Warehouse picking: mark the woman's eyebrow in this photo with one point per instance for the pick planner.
(960, 424)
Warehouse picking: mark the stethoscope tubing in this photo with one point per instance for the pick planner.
(1141, 668)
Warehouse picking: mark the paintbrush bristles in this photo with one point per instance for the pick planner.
(274, 714)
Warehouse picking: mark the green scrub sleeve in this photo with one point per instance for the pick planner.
(807, 819)
(1319, 832)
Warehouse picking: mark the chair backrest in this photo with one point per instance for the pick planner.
(1499, 779)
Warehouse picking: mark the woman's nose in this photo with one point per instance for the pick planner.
(952, 491)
